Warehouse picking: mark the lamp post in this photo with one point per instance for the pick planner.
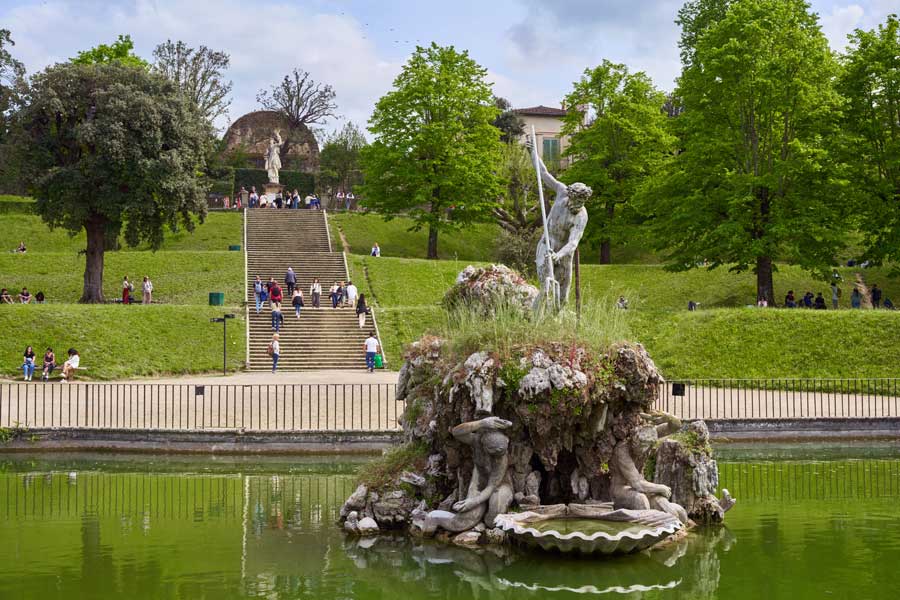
(224, 321)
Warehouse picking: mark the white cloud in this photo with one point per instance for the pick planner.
(265, 40)
(842, 21)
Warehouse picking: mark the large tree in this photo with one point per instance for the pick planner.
(436, 153)
(199, 73)
(695, 17)
(112, 146)
(755, 182)
(509, 123)
(871, 84)
(339, 165)
(619, 136)
(301, 99)
(12, 78)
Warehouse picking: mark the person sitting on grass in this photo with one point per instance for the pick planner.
(808, 300)
(21, 249)
(25, 296)
(5, 298)
(69, 367)
(888, 305)
(820, 302)
(39, 298)
(789, 300)
(622, 303)
(49, 364)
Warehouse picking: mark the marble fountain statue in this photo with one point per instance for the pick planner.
(553, 444)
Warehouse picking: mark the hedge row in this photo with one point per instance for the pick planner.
(304, 183)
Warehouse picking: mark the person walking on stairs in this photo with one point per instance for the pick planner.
(290, 280)
(371, 345)
(274, 350)
(277, 317)
(259, 292)
(335, 294)
(361, 310)
(315, 291)
(352, 294)
(297, 301)
(276, 296)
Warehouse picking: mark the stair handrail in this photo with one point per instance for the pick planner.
(328, 231)
(246, 302)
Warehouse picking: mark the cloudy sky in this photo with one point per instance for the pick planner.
(533, 49)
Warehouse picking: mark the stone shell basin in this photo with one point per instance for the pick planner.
(588, 529)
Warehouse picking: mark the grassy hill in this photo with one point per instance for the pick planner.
(172, 336)
(722, 340)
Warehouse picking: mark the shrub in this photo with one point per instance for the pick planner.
(304, 183)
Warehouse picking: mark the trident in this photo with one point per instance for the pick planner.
(551, 285)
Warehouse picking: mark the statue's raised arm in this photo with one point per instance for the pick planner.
(549, 180)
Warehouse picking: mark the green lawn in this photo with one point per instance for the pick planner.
(473, 242)
(178, 277)
(414, 282)
(218, 232)
(722, 340)
(117, 342)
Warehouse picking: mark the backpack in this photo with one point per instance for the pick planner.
(270, 350)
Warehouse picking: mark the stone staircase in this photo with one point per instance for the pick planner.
(326, 338)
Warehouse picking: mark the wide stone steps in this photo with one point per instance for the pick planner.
(324, 338)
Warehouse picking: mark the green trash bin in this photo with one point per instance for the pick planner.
(217, 298)
(234, 247)
(379, 363)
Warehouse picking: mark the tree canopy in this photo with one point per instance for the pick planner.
(197, 72)
(339, 166)
(509, 123)
(436, 153)
(112, 146)
(756, 181)
(870, 82)
(120, 51)
(619, 136)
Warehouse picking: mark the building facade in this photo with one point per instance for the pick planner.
(551, 142)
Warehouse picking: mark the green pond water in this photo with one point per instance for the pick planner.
(808, 524)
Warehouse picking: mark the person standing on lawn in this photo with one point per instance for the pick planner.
(127, 288)
(315, 290)
(876, 296)
(290, 280)
(147, 289)
(371, 345)
(835, 295)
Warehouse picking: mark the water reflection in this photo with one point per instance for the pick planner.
(688, 568)
(820, 480)
(79, 531)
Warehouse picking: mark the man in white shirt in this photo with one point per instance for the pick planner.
(315, 291)
(352, 294)
(371, 344)
(349, 200)
(339, 199)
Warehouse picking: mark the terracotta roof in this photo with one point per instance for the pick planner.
(541, 111)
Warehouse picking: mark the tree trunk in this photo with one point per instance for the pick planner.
(764, 285)
(432, 242)
(606, 243)
(605, 256)
(95, 227)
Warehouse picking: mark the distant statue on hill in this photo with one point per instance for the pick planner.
(565, 225)
(273, 157)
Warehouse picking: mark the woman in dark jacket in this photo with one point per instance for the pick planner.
(362, 310)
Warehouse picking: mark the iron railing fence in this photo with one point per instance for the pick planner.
(731, 399)
(373, 407)
(368, 407)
